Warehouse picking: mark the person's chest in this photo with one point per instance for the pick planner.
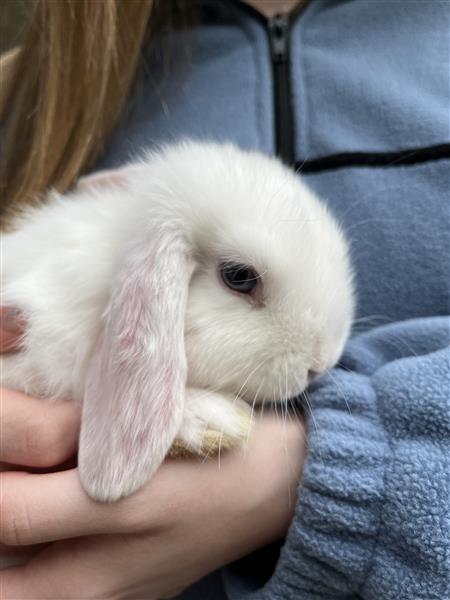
(355, 95)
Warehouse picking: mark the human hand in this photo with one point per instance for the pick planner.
(191, 518)
(34, 434)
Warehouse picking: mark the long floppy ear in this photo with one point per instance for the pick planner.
(134, 396)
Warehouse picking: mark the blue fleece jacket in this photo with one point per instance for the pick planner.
(368, 113)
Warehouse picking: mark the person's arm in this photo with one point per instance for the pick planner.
(373, 517)
(191, 518)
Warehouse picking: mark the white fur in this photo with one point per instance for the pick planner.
(211, 203)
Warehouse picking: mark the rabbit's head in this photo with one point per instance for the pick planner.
(239, 280)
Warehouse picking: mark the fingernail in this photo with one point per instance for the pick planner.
(11, 319)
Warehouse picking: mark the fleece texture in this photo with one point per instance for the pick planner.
(373, 520)
(368, 79)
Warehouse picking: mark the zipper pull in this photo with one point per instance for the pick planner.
(279, 38)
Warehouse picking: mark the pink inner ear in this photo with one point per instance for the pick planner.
(106, 178)
(134, 395)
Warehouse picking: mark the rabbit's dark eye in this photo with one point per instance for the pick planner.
(240, 278)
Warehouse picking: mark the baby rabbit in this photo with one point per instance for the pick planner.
(165, 293)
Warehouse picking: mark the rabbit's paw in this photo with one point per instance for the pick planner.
(211, 422)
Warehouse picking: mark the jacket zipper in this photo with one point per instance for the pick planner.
(279, 37)
(279, 30)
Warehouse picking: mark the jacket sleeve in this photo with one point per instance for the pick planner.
(373, 516)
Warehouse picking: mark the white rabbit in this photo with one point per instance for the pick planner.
(160, 293)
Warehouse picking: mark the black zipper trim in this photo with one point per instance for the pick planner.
(278, 30)
(410, 156)
(279, 38)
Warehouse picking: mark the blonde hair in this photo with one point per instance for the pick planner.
(63, 91)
